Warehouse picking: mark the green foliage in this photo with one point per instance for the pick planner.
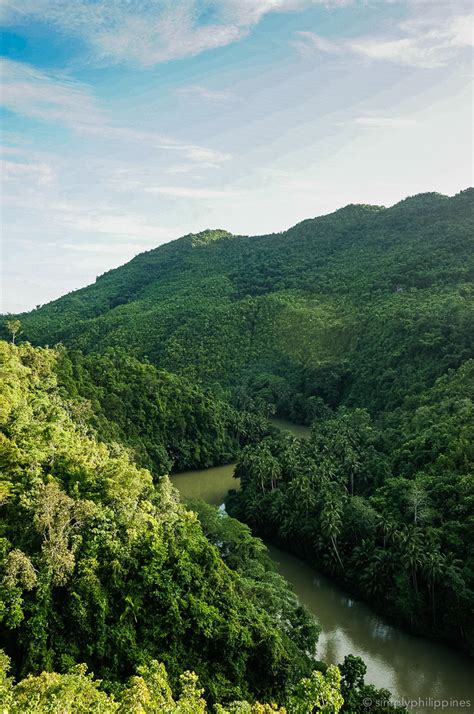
(359, 696)
(249, 557)
(110, 569)
(149, 692)
(389, 513)
(169, 423)
(323, 689)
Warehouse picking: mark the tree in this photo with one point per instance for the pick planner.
(318, 693)
(14, 328)
(418, 503)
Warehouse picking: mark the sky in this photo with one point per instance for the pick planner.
(128, 123)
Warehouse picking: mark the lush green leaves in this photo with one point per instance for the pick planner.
(109, 569)
(403, 541)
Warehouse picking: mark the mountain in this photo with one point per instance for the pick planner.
(363, 306)
(359, 323)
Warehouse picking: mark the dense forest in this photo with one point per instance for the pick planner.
(110, 572)
(359, 324)
(386, 508)
(364, 307)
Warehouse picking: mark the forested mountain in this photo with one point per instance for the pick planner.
(361, 307)
(359, 323)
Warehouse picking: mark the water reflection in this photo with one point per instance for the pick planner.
(408, 666)
(296, 429)
(211, 485)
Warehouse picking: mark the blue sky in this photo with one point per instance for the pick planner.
(127, 123)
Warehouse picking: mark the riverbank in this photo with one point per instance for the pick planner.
(410, 667)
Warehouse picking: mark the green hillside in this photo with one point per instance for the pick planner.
(361, 323)
(102, 569)
(362, 306)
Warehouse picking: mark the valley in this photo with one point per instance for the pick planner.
(193, 361)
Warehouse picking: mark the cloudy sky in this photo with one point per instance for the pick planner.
(127, 123)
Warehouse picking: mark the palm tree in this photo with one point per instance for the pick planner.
(411, 541)
(331, 516)
(302, 492)
(434, 568)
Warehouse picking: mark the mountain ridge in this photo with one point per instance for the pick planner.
(351, 210)
(222, 312)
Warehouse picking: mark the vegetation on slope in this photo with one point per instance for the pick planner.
(109, 569)
(169, 422)
(110, 572)
(364, 306)
(388, 512)
(361, 322)
(149, 692)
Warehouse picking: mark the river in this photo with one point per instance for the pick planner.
(412, 668)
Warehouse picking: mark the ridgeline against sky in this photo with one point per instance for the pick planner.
(129, 124)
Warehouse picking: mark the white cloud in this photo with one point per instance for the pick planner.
(190, 192)
(16, 173)
(11, 150)
(126, 249)
(150, 31)
(310, 43)
(180, 169)
(126, 225)
(33, 93)
(421, 42)
(202, 155)
(56, 98)
(211, 95)
(41, 200)
(385, 122)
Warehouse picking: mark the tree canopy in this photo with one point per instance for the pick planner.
(358, 323)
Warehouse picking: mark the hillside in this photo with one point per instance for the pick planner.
(330, 308)
(110, 572)
(359, 323)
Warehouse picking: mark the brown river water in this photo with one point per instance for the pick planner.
(412, 668)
